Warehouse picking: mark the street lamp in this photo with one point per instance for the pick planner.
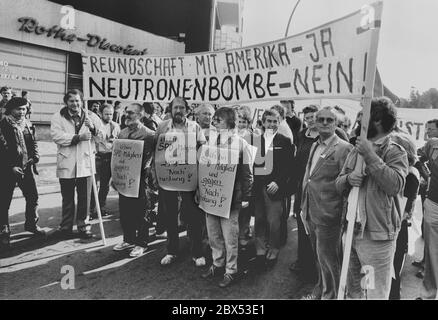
(290, 18)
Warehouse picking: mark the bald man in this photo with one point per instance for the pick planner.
(204, 113)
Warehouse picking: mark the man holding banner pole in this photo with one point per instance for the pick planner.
(379, 216)
(72, 128)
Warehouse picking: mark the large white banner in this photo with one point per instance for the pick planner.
(414, 122)
(329, 61)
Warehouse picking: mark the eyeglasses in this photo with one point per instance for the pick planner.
(322, 120)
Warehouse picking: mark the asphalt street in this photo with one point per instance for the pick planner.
(34, 268)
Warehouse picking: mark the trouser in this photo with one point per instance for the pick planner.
(103, 169)
(326, 242)
(285, 216)
(306, 258)
(244, 224)
(223, 235)
(268, 214)
(83, 191)
(374, 258)
(133, 219)
(191, 214)
(430, 280)
(28, 188)
(401, 250)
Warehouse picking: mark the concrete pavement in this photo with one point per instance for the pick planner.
(32, 269)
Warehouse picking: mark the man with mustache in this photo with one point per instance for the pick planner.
(379, 215)
(72, 128)
(177, 125)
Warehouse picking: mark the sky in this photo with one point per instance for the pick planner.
(408, 45)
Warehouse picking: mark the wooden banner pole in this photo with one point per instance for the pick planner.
(94, 188)
(372, 15)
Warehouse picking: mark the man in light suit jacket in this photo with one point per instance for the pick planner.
(72, 128)
(322, 204)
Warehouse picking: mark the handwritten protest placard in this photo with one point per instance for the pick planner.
(126, 164)
(329, 61)
(175, 161)
(217, 173)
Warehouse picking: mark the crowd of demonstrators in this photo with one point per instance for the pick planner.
(314, 159)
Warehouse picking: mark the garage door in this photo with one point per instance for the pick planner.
(39, 71)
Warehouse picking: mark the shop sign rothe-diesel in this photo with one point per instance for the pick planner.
(31, 25)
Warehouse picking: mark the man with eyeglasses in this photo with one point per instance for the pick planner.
(133, 209)
(305, 263)
(322, 205)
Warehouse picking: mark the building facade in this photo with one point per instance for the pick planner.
(41, 43)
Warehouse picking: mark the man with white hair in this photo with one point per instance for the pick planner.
(322, 204)
(204, 113)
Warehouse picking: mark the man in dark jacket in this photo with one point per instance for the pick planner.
(270, 187)
(21, 153)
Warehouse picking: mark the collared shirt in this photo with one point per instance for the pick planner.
(105, 138)
(77, 119)
(321, 147)
(268, 139)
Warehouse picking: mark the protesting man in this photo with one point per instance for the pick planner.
(292, 120)
(223, 233)
(430, 230)
(104, 147)
(322, 205)
(18, 166)
(6, 95)
(379, 215)
(204, 113)
(285, 130)
(72, 129)
(270, 188)
(168, 130)
(283, 126)
(133, 209)
(432, 128)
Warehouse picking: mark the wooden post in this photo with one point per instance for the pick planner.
(353, 197)
(94, 187)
